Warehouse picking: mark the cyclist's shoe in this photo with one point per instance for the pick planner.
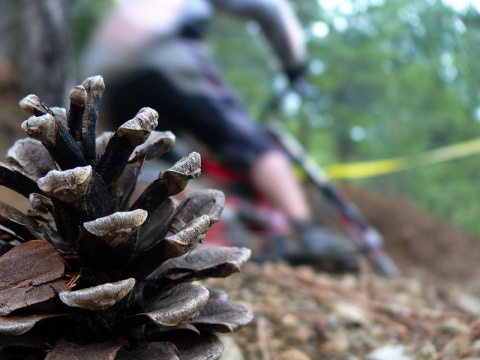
(324, 249)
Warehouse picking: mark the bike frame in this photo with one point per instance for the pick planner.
(365, 237)
(338, 212)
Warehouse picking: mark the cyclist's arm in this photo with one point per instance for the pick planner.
(279, 24)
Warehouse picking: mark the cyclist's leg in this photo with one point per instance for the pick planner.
(271, 174)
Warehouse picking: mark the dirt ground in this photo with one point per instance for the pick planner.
(297, 310)
(431, 313)
(422, 245)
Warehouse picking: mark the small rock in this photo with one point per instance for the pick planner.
(453, 326)
(389, 352)
(469, 304)
(338, 344)
(302, 334)
(425, 351)
(290, 320)
(351, 313)
(293, 354)
(231, 349)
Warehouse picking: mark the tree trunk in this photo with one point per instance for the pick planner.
(35, 36)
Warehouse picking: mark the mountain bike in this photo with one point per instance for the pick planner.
(248, 220)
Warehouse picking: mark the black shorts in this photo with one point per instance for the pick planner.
(219, 122)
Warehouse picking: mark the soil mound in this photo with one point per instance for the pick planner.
(422, 245)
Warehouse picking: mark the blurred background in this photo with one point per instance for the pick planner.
(395, 79)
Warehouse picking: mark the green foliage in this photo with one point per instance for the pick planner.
(401, 72)
(85, 16)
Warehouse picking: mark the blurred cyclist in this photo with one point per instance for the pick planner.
(152, 53)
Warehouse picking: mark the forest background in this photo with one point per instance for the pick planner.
(394, 79)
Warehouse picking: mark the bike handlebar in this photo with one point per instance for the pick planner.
(300, 86)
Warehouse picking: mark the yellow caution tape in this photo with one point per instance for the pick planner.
(364, 169)
(380, 167)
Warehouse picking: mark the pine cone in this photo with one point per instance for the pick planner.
(90, 274)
